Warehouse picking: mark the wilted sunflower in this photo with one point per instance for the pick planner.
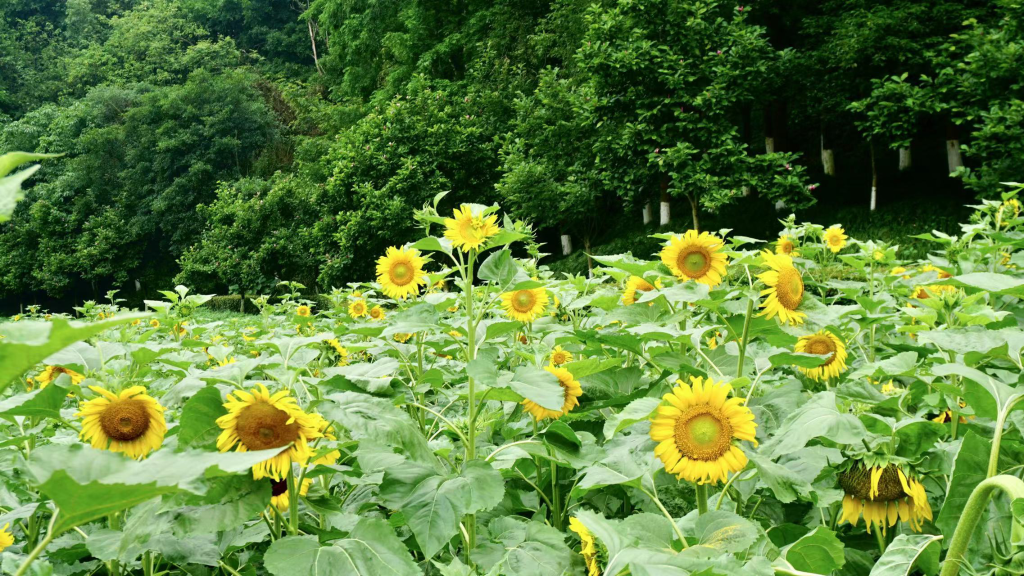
(50, 373)
(525, 305)
(400, 272)
(785, 289)
(695, 429)
(376, 313)
(633, 285)
(785, 245)
(257, 420)
(696, 257)
(823, 342)
(469, 231)
(6, 538)
(131, 422)
(588, 546)
(570, 388)
(279, 493)
(560, 356)
(835, 238)
(881, 494)
(357, 308)
(303, 310)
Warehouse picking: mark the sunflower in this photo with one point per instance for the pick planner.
(400, 272)
(696, 257)
(525, 305)
(823, 342)
(571, 389)
(50, 373)
(588, 546)
(131, 422)
(835, 238)
(785, 289)
(303, 310)
(6, 538)
(633, 285)
(469, 231)
(279, 493)
(695, 428)
(942, 273)
(257, 420)
(882, 494)
(713, 340)
(324, 427)
(899, 271)
(357, 308)
(560, 356)
(154, 323)
(925, 292)
(402, 337)
(376, 313)
(785, 245)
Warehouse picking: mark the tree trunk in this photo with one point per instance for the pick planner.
(775, 127)
(566, 244)
(953, 157)
(590, 263)
(648, 215)
(904, 159)
(312, 38)
(241, 305)
(874, 177)
(666, 213)
(693, 211)
(828, 156)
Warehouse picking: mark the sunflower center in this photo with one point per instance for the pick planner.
(821, 345)
(701, 433)
(125, 420)
(523, 300)
(790, 288)
(262, 426)
(401, 273)
(857, 483)
(694, 263)
(278, 487)
(787, 247)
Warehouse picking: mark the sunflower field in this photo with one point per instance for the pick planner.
(813, 404)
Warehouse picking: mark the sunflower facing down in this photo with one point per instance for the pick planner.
(560, 356)
(881, 494)
(469, 231)
(696, 427)
(357, 308)
(257, 420)
(279, 493)
(633, 285)
(131, 422)
(50, 373)
(696, 257)
(6, 538)
(823, 342)
(835, 238)
(785, 289)
(525, 305)
(571, 389)
(400, 272)
(588, 546)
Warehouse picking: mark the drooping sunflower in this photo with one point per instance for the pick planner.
(633, 285)
(696, 427)
(560, 356)
(882, 494)
(571, 389)
(357, 308)
(257, 420)
(588, 546)
(823, 342)
(835, 238)
(376, 313)
(469, 231)
(696, 257)
(131, 422)
(526, 304)
(6, 538)
(50, 373)
(400, 272)
(303, 310)
(279, 493)
(785, 245)
(785, 289)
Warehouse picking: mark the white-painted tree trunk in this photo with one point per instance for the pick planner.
(780, 206)
(953, 157)
(769, 144)
(666, 213)
(828, 161)
(747, 191)
(566, 244)
(904, 159)
(648, 213)
(874, 197)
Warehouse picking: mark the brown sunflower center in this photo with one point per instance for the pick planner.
(821, 345)
(857, 482)
(125, 420)
(359, 307)
(375, 313)
(790, 288)
(702, 433)
(262, 426)
(401, 273)
(694, 262)
(278, 487)
(523, 300)
(558, 358)
(787, 247)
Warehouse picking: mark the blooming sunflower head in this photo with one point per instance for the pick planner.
(154, 323)
(131, 422)
(469, 231)
(785, 289)
(697, 428)
(376, 313)
(400, 272)
(823, 342)
(570, 388)
(785, 245)
(303, 310)
(835, 238)
(881, 493)
(402, 337)
(588, 546)
(633, 285)
(526, 304)
(257, 420)
(925, 292)
(6, 538)
(696, 256)
(357, 308)
(560, 356)
(279, 493)
(51, 373)
(899, 271)
(930, 268)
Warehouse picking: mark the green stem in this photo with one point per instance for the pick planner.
(702, 498)
(993, 458)
(744, 338)
(470, 520)
(675, 527)
(50, 534)
(114, 522)
(977, 503)
(556, 505)
(293, 502)
(881, 540)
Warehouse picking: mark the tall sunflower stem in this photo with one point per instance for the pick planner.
(293, 505)
(744, 338)
(671, 520)
(993, 459)
(1012, 486)
(50, 535)
(556, 505)
(470, 521)
(702, 498)
(881, 540)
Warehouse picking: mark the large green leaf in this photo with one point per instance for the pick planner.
(370, 549)
(819, 552)
(538, 385)
(518, 547)
(366, 416)
(717, 532)
(819, 417)
(636, 411)
(198, 423)
(969, 469)
(43, 403)
(908, 552)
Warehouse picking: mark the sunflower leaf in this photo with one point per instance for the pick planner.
(197, 426)
(907, 552)
(819, 552)
(370, 549)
